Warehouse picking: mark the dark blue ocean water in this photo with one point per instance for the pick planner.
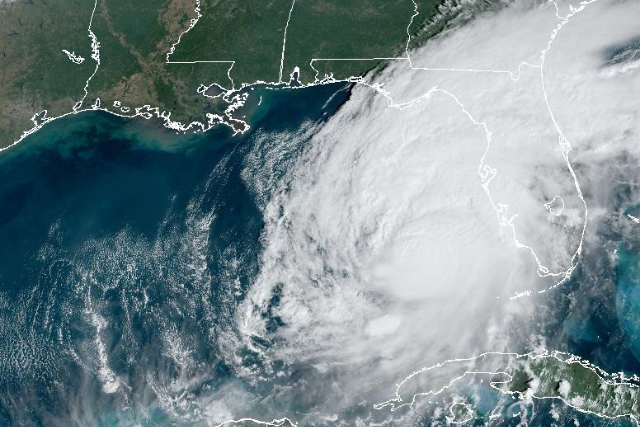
(126, 241)
(123, 242)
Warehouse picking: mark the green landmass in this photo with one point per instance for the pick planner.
(460, 413)
(34, 72)
(230, 43)
(544, 376)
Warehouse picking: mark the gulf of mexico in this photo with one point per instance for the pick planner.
(124, 250)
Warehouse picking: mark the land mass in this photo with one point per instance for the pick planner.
(550, 375)
(189, 63)
(250, 422)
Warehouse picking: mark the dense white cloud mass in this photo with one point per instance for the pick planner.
(518, 33)
(419, 224)
(593, 81)
(449, 185)
(385, 222)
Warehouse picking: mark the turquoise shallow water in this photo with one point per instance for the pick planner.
(126, 243)
(125, 250)
(628, 296)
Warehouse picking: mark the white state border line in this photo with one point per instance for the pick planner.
(95, 55)
(484, 170)
(564, 143)
(284, 40)
(192, 24)
(487, 173)
(212, 62)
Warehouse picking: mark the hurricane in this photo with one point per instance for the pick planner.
(478, 194)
